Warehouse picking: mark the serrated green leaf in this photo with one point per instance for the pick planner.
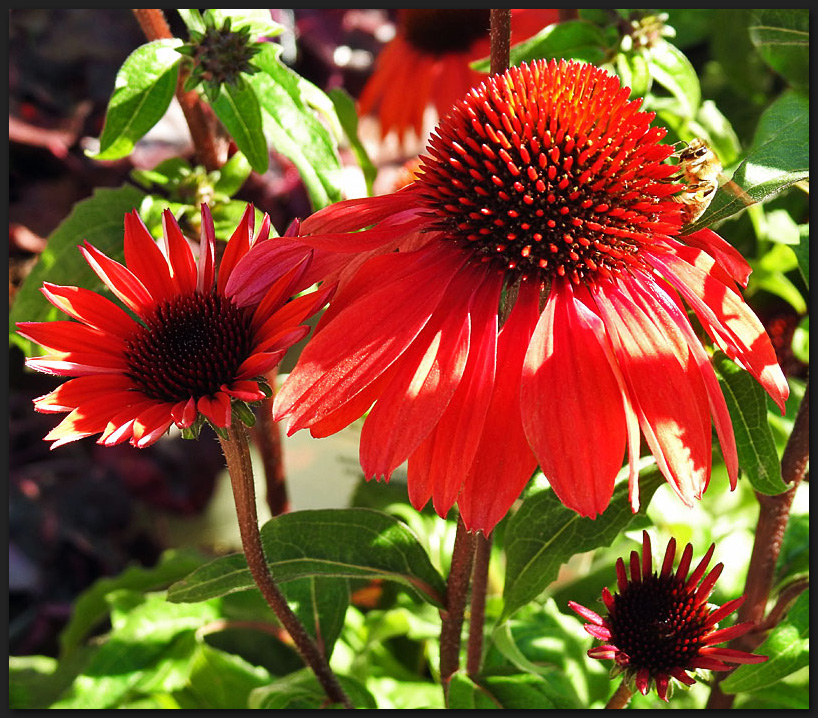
(777, 159)
(293, 129)
(239, 110)
(301, 690)
(543, 534)
(782, 38)
(670, 67)
(346, 543)
(747, 404)
(787, 647)
(143, 89)
(101, 220)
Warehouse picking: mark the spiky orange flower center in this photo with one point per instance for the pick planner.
(657, 624)
(549, 170)
(189, 346)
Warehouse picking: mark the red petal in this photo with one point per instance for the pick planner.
(365, 338)
(237, 247)
(244, 390)
(216, 408)
(91, 308)
(355, 214)
(567, 370)
(184, 413)
(179, 254)
(145, 259)
(75, 392)
(725, 254)
(70, 338)
(151, 424)
(207, 252)
(586, 613)
(503, 463)
(731, 655)
(120, 280)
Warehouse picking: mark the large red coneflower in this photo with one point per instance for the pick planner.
(182, 349)
(660, 625)
(427, 63)
(533, 313)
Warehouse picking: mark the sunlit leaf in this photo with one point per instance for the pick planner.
(787, 647)
(238, 108)
(345, 543)
(782, 38)
(101, 220)
(670, 68)
(519, 691)
(301, 690)
(747, 404)
(543, 534)
(345, 109)
(143, 89)
(574, 39)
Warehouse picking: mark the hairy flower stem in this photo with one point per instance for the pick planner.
(208, 151)
(266, 436)
(457, 591)
(500, 38)
(237, 455)
(773, 516)
(477, 614)
(621, 698)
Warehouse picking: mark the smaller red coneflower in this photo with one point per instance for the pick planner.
(184, 348)
(427, 62)
(659, 625)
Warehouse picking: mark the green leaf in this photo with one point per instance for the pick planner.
(29, 678)
(634, 72)
(293, 128)
(348, 543)
(238, 108)
(782, 38)
(521, 691)
(787, 647)
(320, 603)
(92, 606)
(143, 89)
(101, 220)
(259, 21)
(543, 534)
(574, 39)
(670, 68)
(345, 109)
(802, 252)
(301, 690)
(747, 404)
(777, 159)
(233, 174)
(145, 628)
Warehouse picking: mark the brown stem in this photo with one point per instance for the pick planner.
(567, 14)
(237, 455)
(200, 122)
(477, 614)
(457, 591)
(621, 698)
(266, 436)
(500, 38)
(773, 516)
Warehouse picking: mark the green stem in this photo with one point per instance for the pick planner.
(208, 151)
(237, 455)
(773, 516)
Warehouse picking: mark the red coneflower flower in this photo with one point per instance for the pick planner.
(187, 348)
(427, 62)
(532, 312)
(659, 626)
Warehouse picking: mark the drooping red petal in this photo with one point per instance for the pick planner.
(86, 420)
(244, 390)
(568, 390)
(91, 308)
(497, 477)
(725, 254)
(727, 319)
(667, 392)
(441, 463)
(151, 424)
(75, 392)
(144, 258)
(216, 408)
(350, 353)
(184, 413)
(426, 376)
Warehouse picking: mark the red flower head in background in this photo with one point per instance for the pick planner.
(660, 625)
(427, 62)
(533, 311)
(183, 348)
